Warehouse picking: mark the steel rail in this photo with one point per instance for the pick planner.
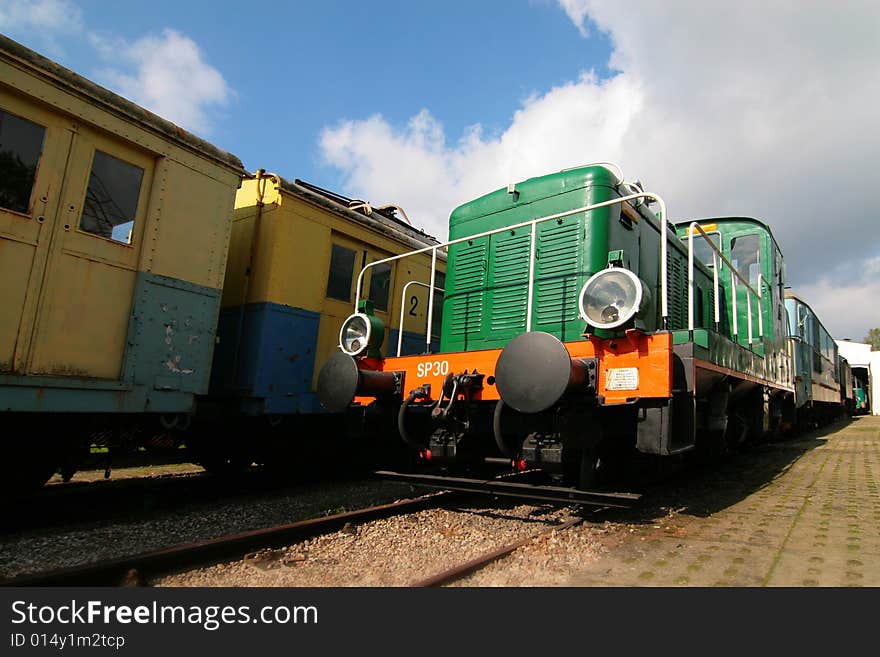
(469, 567)
(516, 489)
(137, 569)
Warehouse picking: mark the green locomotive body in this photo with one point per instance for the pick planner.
(580, 327)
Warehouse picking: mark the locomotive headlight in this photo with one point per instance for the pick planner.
(359, 332)
(612, 297)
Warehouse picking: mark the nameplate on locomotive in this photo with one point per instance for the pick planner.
(622, 378)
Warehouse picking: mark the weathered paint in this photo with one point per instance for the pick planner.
(79, 307)
(166, 360)
(171, 334)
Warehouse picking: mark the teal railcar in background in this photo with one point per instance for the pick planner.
(816, 362)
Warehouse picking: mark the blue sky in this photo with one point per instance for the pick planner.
(762, 108)
(294, 68)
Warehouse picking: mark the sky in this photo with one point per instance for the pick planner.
(756, 108)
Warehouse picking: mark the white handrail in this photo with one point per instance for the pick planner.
(535, 222)
(695, 227)
(531, 293)
(402, 308)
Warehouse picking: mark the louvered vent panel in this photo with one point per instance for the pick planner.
(510, 272)
(710, 308)
(677, 290)
(467, 301)
(556, 272)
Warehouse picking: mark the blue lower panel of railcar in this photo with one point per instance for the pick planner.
(47, 394)
(265, 359)
(167, 359)
(412, 344)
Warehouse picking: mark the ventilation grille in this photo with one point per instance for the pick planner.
(557, 273)
(510, 273)
(467, 302)
(676, 290)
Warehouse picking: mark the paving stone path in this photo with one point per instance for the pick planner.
(814, 521)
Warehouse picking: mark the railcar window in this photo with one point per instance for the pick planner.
(111, 198)
(745, 256)
(380, 283)
(21, 144)
(702, 251)
(341, 273)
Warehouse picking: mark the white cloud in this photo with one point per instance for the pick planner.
(418, 168)
(168, 75)
(752, 108)
(846, 309)
(51, 15)
(40, 21)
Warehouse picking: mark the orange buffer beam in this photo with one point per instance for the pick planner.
(649, 355)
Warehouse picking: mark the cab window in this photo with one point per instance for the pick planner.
(702, 251)
(341, 272)
(745, 256)
(21, 144)
(380, 284)
(111, 198)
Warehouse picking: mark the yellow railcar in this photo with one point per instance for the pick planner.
(114, 229)
(294, 260)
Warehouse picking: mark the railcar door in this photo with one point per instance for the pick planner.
(91, 206)
(34, 144)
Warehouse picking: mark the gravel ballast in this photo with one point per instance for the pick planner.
(396, 551)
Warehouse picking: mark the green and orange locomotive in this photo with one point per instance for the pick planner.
(579, 328)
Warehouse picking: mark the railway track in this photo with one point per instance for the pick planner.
(138, 569)
(469, 567)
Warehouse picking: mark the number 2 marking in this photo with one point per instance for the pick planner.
(413, 304)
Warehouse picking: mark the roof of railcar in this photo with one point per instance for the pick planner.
(789, 294)
(384, 220)
(717, 220)
(101, 97)
(533, 189)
